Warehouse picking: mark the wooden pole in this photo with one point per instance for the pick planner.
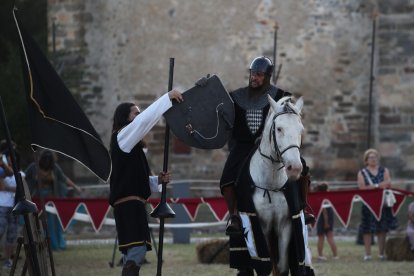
(163, 211)
(23, 206)
(371, 81)
(275, 53)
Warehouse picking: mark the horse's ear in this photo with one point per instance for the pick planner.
(273, 103)
(299, 104)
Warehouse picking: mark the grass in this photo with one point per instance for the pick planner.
(350, 262)
(181, 259)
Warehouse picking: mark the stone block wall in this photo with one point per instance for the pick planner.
(395, 86)
(116, 51)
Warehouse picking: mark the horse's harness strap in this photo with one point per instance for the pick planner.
(272, 136)
(266, 192)
(270, 157)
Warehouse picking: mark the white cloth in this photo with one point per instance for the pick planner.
(6, 197)
(134, 132)
(308, 253)
(248, 234)
(154, 186)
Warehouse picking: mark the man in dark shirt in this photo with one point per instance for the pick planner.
(251, 108)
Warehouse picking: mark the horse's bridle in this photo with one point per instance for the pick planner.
(272, 137)
(279, 153)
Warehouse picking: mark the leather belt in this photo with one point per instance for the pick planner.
(128, 198)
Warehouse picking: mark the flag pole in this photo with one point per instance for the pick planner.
(276, 27)
(163, 210)
(371, 79)
(276, 73)
(23, 206)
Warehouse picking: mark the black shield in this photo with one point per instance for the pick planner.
(205, 118)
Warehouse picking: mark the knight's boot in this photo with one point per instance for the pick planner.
(248, 271)
(234, 225)
(130, 269)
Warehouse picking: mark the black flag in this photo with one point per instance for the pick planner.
(56, 120)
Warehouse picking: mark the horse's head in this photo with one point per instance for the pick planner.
(286, 133)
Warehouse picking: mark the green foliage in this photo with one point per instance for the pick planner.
(33, 17)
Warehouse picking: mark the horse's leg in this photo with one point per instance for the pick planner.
(267, 233)
(273, 252)
(285, 231)
(271, 242)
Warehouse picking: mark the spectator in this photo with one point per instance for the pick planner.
(8, 222)
(410, 226)
(49, 181)
(324, 227)
(374, 176)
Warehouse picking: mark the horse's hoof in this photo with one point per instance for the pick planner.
(234, 227)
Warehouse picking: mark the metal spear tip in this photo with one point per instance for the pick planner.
(163, 210)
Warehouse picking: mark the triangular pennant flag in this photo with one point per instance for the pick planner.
(218, 206)
(65, 209)
(56, 120)
(373, 201)
(153, 202)
(97, 210)
(191, 206)
(400, 198)
(341, 203)
(315, 200)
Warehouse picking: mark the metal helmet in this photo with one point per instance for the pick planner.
(262, 64)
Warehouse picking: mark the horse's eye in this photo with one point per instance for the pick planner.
(279, 129)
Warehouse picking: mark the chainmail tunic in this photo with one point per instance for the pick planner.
(241, 97)
(254, 109)
(254, 119)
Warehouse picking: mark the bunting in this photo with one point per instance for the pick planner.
(340, 201)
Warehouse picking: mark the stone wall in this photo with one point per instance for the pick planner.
(395, 86)
(119, 51)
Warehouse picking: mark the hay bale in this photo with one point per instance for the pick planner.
(398, 249)
(213, 251)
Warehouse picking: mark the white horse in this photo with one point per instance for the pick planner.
(277, 160)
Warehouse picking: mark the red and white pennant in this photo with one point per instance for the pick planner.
(341, 202)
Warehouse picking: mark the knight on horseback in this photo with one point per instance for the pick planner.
(251, 106)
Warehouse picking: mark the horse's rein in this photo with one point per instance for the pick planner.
(279, 153)
(272, 136)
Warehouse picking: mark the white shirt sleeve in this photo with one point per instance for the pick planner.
(153, 183)
(135, 131)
